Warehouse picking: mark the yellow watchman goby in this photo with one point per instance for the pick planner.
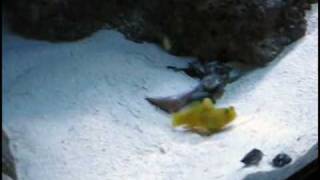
(203, 117)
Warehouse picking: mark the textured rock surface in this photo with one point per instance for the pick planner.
(252, 31)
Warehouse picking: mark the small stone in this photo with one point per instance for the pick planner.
(253, 157)
(162, 150)
(281, 160)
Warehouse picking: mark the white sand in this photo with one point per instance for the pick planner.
(76, 111)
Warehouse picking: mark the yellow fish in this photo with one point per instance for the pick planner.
(203, 117)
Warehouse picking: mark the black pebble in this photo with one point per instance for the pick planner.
(253, 157)
(281, 160)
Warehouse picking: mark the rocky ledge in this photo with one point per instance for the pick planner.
(250, 31)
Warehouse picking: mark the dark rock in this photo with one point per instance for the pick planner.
(8, 162)
(215, 76)
(234, 30)
(196, 69)
(253, 157)
(281, 160)
(212, 81)
(217, 68)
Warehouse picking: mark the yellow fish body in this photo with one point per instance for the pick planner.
(203, 117)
